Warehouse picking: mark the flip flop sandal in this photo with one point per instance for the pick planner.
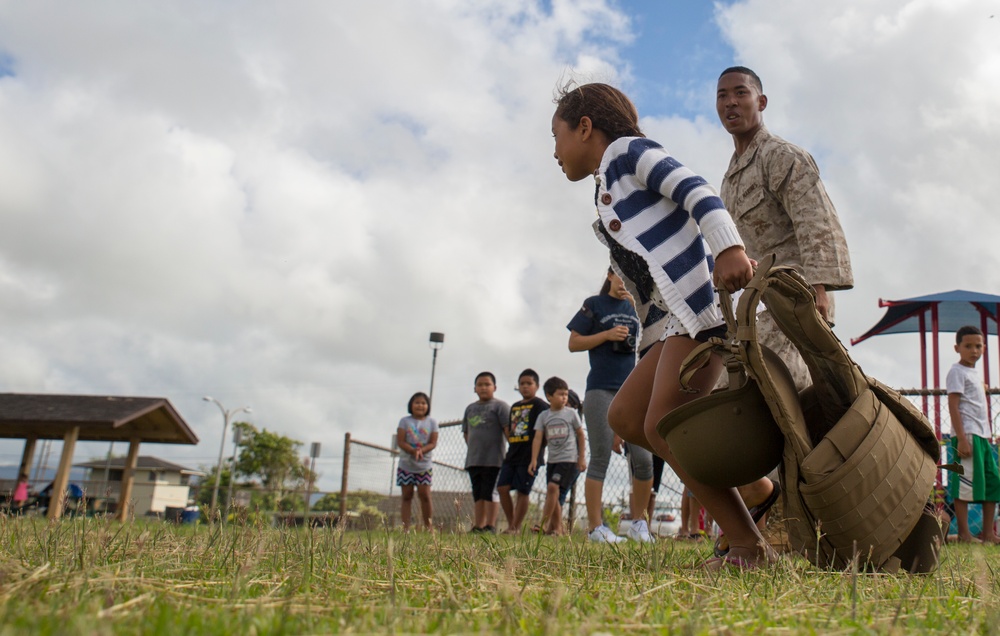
(757, 513)
(727, 562)
(721, 547)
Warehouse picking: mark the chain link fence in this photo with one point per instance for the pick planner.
(369, 496)
(371, 467)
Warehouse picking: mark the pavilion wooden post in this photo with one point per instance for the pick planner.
(22, 486)
(58, 496)
(128, 476)
(24, 472)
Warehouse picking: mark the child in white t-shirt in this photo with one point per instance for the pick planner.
(970, 442)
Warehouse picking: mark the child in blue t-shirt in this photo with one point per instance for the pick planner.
(607, 327)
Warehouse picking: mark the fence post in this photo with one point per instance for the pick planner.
(343, 478)
(572, 507)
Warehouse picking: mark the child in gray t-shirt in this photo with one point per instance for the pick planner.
(483, 427)
(561, 429)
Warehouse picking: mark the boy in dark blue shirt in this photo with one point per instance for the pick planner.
(520, 431)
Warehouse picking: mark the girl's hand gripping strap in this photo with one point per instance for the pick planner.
(727, 348)
(700, 357)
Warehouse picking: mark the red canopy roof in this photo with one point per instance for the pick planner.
(955, 309)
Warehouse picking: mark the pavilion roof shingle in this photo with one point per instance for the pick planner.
(100, 418)
(143, 462)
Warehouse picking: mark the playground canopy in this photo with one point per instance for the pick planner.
(946, 311)
(950, 311)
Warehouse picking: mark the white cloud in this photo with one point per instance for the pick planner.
(276, 205)
(892, 98)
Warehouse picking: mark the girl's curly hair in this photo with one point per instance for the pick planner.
(609, 109)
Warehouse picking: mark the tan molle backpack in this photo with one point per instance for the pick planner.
(857, 461)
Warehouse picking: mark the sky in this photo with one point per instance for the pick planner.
(274, 204)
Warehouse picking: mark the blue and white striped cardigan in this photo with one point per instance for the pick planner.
(657, 208)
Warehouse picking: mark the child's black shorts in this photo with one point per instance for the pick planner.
(516, 476)
(564, 475)
(484, 481)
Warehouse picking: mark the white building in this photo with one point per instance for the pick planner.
(158, 484)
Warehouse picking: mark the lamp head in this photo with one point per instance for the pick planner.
(436, 340)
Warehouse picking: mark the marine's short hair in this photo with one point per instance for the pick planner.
(967, 330)
(554, 384)
(746, 71)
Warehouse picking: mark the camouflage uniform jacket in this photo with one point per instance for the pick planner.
(774, 193)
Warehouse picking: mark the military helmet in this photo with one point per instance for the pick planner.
(728, 438)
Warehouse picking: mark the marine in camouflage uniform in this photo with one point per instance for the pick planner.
(774, 192)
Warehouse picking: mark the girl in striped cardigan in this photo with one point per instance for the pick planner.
(671, 240)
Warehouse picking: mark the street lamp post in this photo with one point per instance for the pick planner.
(222, 447)
(436, 342)
(237, 438)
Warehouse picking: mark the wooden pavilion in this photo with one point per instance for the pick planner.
(73, 418)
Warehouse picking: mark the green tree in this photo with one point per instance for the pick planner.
(271, 458)
(331, 501)
(206, 484)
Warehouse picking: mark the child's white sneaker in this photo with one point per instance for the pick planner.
(603, 534)
(639, 531)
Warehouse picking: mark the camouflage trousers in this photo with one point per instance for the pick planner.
(769, 335)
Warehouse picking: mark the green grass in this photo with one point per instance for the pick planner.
(86, 576)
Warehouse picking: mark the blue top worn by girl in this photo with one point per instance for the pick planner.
(610, 362)
(664, 225)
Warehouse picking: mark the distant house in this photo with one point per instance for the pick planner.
(158, 484)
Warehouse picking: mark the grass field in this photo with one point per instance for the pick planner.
(89, 576)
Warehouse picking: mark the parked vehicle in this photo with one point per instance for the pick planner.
(663, 525)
